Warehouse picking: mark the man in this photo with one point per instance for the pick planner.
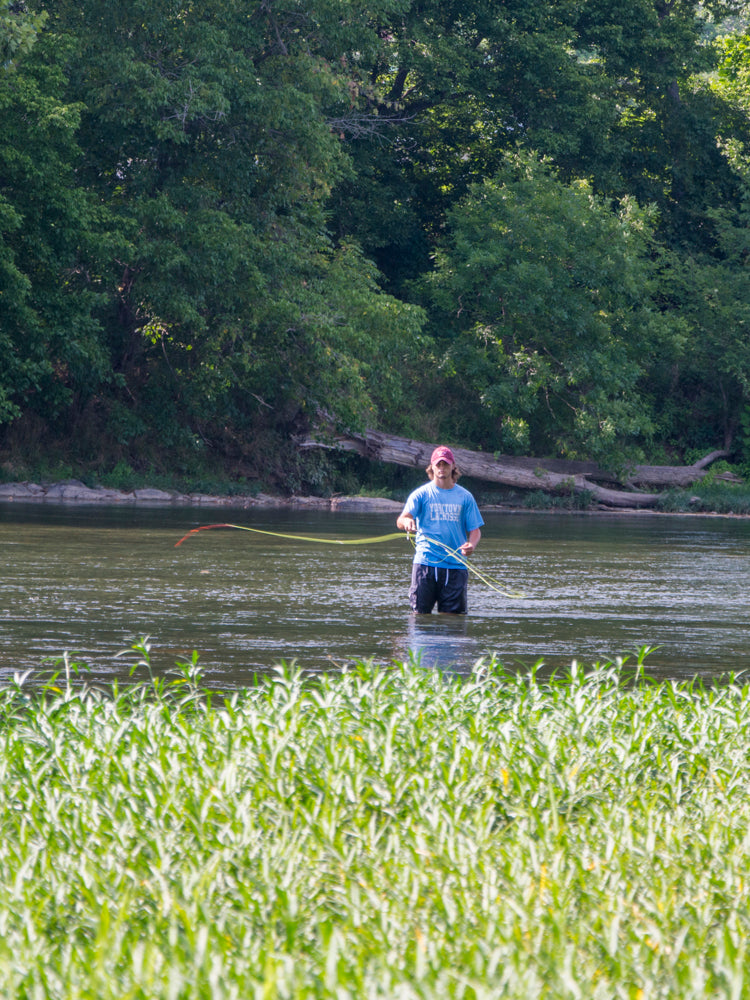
(446, 519)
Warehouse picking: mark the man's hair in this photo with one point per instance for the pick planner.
(454, 472)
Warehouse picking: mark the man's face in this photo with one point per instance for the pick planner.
(442, 471)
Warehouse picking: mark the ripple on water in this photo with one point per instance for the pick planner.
(596, 588)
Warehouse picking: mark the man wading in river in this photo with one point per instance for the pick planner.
(446, 519)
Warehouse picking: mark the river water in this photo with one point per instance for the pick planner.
(90, 581)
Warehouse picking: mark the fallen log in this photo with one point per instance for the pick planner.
(678, 476)
(552, 476)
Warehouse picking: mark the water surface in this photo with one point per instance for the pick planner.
(91, 580)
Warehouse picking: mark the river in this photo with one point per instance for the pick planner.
(90, 581)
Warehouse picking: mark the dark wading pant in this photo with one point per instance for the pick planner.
(445, 585)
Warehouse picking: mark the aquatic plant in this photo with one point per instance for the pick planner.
(376, 832)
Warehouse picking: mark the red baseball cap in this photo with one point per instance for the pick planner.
(442, 453)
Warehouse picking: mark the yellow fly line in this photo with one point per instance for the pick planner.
(488, 581)
(297, 538)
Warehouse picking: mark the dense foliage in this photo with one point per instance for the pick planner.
(377, 833)
(520, 226)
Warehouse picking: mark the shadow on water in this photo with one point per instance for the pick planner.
(90, 581)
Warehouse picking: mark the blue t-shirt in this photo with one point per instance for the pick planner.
(446, 515)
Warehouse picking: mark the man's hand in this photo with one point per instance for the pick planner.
(471, 543)
(406, 523)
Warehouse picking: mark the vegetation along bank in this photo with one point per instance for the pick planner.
(229, 227)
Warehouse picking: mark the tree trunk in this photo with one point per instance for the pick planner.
(552, 475)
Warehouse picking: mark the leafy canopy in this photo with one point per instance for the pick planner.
(542, 302)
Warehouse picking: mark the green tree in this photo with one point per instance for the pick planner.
(204, 142)
(437, 96)
(655, 57)
(18, 30)
(48, 337)
(700, 397)
(704, 401)
(203, 206)
(541, 300)
(612, 91)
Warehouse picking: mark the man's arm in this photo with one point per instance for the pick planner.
(468, 547)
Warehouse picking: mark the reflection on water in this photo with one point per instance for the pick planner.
(438, 641)
(91, 581)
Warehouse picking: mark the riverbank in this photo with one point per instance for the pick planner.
(74, 491)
